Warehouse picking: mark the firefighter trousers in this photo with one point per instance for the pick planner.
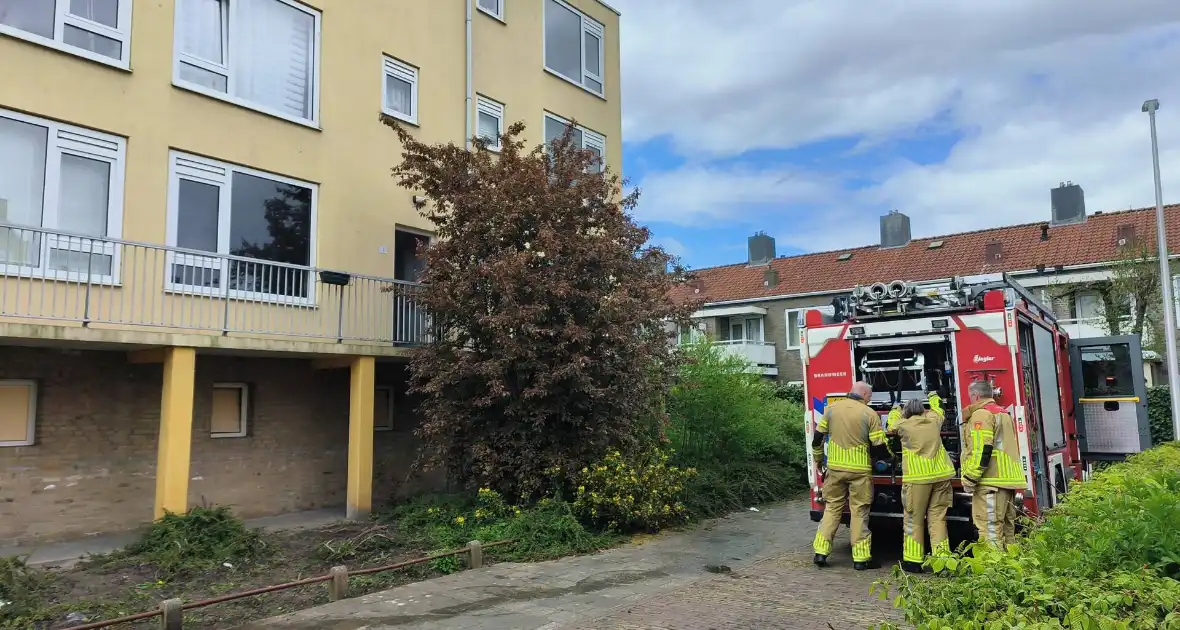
(925, 505)
(854, 489)
(993, 511)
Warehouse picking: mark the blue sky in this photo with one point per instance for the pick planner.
(809, 119)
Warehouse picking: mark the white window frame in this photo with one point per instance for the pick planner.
(229, 24)
(63, 18)
(793, 343)
(387, 424)
(216, 173)
(398, 69)
(590, 27)
(243, 412)
(499, 16)
(590, 138)
(62, 140)
(32, 426)
(485, 105)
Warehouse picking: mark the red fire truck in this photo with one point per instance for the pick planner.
(1074, 401)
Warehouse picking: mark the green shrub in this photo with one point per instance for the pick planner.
(1159, 414)
(23, 591)
(202, 538)
(1107, 557)
(742, 432)
(789, 392)
(622, 494)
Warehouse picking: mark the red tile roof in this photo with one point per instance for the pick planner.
(966, 253)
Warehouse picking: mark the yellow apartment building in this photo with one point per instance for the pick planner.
(206, 269)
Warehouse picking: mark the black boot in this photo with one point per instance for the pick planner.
(820, 560)
(911, 567)
(868, 564)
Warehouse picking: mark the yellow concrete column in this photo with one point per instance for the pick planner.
(360, 437)
(176, 431)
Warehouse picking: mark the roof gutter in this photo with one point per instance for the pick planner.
(833, 292)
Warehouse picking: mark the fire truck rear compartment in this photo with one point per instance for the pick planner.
(905, 369)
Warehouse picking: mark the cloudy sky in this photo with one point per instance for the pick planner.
(808, 119)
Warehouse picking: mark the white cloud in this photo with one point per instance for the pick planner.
(1043, 91)
(671, 245)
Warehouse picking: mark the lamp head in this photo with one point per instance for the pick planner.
(1151, 106)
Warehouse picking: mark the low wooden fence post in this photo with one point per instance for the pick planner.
(474, 554)
(171, 615)
(338, 585)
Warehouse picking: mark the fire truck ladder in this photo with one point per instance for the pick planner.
(899, 298)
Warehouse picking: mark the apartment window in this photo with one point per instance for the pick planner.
(747, 329)
(231, 408)
(494, 8)
(490, 125)
(264, 221)
(401, 90)
(794, 318)
(18, 413)
(99, 30)
(573, 46)
(58, 178)
(262, 54)
(688, 334)
(583, 138)
(383, 408)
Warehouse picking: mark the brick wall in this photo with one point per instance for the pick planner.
(92, 468)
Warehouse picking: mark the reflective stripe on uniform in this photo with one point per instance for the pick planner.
(912, 550)
(855, 459)
(993, 523)
(1008, 473)
(918, 469)
(862, 551)
(822, 545)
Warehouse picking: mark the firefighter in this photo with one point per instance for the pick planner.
(852, 428)
(991, 466)
(927, 472)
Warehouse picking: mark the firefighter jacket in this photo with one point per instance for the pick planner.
(851, 427)
(991, 454)
(924, 459)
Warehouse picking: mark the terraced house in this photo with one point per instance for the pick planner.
(208, 271)
(753, 309)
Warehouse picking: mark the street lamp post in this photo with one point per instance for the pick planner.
(1150, 108)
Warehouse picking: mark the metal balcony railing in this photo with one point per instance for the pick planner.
(112, 283)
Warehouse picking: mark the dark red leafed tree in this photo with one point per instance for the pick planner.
(551, 306)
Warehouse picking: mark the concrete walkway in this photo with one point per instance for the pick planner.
(748, 571)
(67, 553)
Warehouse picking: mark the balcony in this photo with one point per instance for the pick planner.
(759, 353)
(108, 284)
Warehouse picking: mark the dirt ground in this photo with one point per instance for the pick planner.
(111, 587)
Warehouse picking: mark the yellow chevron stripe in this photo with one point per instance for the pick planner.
(822, 545)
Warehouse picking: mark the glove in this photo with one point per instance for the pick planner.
(969, 484)
(935, 402)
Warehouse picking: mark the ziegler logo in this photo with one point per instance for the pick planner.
(830, 374)
(982, 359)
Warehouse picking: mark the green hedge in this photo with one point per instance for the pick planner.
(1107, 557)
(1159, 414)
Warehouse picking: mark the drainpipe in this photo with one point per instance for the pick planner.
(470, 82)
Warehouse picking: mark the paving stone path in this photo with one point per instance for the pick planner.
(749, 571)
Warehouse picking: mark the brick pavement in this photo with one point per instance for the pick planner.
(667, 583)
